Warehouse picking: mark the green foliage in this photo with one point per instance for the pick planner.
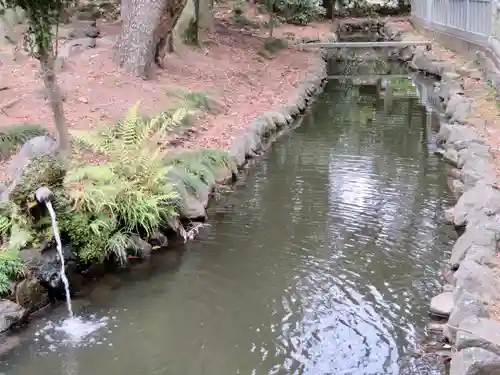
(272, 46)
(299, 12)
(14, 235)
(46, 170)
(191, 33)
(41, 16)
(11, 268)
(196, 99)
(129, 193)
(12, 137)
(203, 166)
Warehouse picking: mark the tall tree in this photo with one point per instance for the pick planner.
(42, 15)
(144, 34)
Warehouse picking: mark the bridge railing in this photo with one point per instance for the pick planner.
(472, 20)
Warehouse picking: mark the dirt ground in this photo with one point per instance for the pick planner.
(227, 66)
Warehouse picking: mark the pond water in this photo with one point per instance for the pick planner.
(322, 261)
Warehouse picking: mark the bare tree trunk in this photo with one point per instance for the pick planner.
(124, 9)
(144, 34)
(206, 15)
(47, 62)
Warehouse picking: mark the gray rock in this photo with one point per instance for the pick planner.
(10, 314)
(158, 240)
(140, 247)
(191, 205)
(82, 29)
(475, 361)
(481, 199)
(451, 156)
(466, 305)
(471, 151)
(462, 112)
(442, 304)
(238, 150)
(477, 279)
(259, 126)
(35, 147)
(253, 142)
(474, 332)
(279, 119)
(481, 254)
(452, 104)
(473, 235)
(457, 187)
(298, 101)
(460, 134)
(478, 170)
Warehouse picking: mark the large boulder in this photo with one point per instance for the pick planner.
(192, 199)
(476, 203)
(10, 314)
(442, 305)
(475, 361)
(480, 235)
(474, 332)
(466, 305)
(45, 267)
(35, 165)
(478, 280)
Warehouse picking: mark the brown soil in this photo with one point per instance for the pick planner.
(227, 65)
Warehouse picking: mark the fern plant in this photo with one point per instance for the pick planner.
(14, 235)
(129, 193)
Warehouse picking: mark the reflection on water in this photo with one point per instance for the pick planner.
(322, 262)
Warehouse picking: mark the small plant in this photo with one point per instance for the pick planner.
(300, 12)
(129, 193)
(11, 268)
(201, 166)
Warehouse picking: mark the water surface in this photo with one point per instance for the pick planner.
(321, 262)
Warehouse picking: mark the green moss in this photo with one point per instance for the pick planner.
(47, 170)
(12, 137)
(190, 36)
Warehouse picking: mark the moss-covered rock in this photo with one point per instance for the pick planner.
(46, 170)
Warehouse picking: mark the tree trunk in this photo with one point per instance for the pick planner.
(144, 34)
(124, 9)
(136, 45)
(47, 63)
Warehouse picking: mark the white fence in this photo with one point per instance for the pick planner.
(468, 19)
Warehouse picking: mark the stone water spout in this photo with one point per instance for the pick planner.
(43, 194)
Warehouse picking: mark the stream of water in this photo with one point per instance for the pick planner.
(323, 261)
(57, 237)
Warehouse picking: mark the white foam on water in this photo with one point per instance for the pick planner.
(73, 331)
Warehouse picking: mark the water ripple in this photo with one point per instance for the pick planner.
(323, 263)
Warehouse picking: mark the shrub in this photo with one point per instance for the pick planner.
(299, 12)
(14, 235)
(129, 193)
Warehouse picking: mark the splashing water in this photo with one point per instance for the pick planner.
(57, 236)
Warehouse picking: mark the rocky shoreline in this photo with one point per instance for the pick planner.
(473, 285)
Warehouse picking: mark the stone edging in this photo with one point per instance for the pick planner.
(252, 141)
(472, 179)
(261, 132)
